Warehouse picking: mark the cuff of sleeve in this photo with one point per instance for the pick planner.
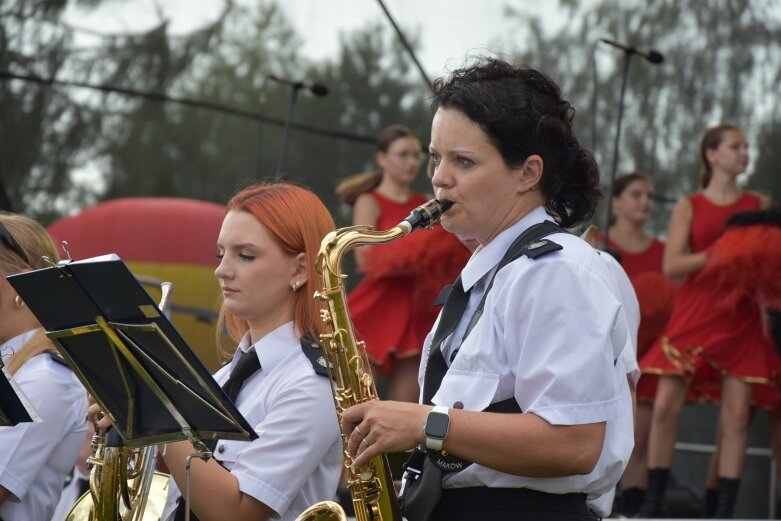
(263, 492)
(577, 414)
(14, 485)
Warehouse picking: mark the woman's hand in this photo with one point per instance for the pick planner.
(97, 416)
(376, 426)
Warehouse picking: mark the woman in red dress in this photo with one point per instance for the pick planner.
(640, 254)
(632, 202)
(393, 306)
(704, 340)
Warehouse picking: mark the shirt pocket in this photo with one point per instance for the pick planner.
(476, 390)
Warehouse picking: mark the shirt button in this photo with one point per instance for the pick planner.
(221, 449)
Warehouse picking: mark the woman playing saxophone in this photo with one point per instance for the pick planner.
(267, 248)
(525, 409)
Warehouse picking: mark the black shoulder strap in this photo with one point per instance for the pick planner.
(529, 243)
(57, 358)
(532, 244)
(314, 352)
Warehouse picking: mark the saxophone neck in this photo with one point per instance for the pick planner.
(337, 243)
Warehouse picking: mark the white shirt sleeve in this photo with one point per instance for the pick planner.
(28, 446)
(560, 322)
(298, 432)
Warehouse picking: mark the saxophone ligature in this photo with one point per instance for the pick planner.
(371, 486)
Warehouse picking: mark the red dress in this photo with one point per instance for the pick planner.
(704, 338)
(650, 259)
(392, 308)
(655, 293)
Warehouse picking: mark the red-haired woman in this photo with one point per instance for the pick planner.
(267, 249)
(704, 339)
(393, 306)
(36, 457)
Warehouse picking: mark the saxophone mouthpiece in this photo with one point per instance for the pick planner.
(426, 215)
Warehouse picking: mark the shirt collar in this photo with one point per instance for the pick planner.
(272, 348)
(486, 258)
(14, 344)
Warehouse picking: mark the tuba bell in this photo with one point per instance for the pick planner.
(123, 483)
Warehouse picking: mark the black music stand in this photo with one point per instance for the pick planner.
(14, 406)
(128, 355)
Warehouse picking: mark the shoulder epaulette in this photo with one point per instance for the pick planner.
(314, 352)
(538, 248)
(57, 358)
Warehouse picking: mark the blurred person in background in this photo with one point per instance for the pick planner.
(36, 458)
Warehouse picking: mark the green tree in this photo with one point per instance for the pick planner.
(184, 151)
(50, 132)
(722, 63)
(767, 167)
(42, 130)
(373, 85)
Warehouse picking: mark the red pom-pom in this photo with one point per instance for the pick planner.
(746, 261)
(433, 258)
(655, 294)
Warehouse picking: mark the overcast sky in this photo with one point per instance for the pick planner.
(449, 29)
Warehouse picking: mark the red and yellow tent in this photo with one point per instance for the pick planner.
(160, 239)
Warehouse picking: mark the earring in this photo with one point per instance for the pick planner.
(19, 302)
(294, 285)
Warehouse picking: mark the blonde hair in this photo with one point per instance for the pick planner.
(297, 220)
(36, 243)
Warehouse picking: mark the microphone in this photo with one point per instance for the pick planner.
(317, 89)
(651, 55)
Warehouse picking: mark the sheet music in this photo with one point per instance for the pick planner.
(127, 354)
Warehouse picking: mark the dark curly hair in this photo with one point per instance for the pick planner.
(523, 113)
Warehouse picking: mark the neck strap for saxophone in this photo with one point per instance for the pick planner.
(530, 243)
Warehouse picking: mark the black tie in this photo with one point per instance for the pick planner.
(436, 367)
(247, 365)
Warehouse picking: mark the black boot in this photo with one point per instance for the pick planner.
(654, 493)
(711, 500)
(728, 495)
(629, 501)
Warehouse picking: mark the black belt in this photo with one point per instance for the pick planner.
(522, 504)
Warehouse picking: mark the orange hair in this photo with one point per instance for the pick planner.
(297, 220)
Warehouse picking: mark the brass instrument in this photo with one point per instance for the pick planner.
(124, 485)
(371, 486)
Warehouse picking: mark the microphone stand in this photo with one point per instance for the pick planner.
(614, 170)
(295, 87)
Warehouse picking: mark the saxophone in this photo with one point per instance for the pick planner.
(121, 478)
(371, 486)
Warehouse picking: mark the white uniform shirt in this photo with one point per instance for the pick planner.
(36, 458)
(549, 336)
(70, 494)
(297, 460)
(603, 504)
(626, 294)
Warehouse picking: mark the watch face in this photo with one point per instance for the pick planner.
(437, 424)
